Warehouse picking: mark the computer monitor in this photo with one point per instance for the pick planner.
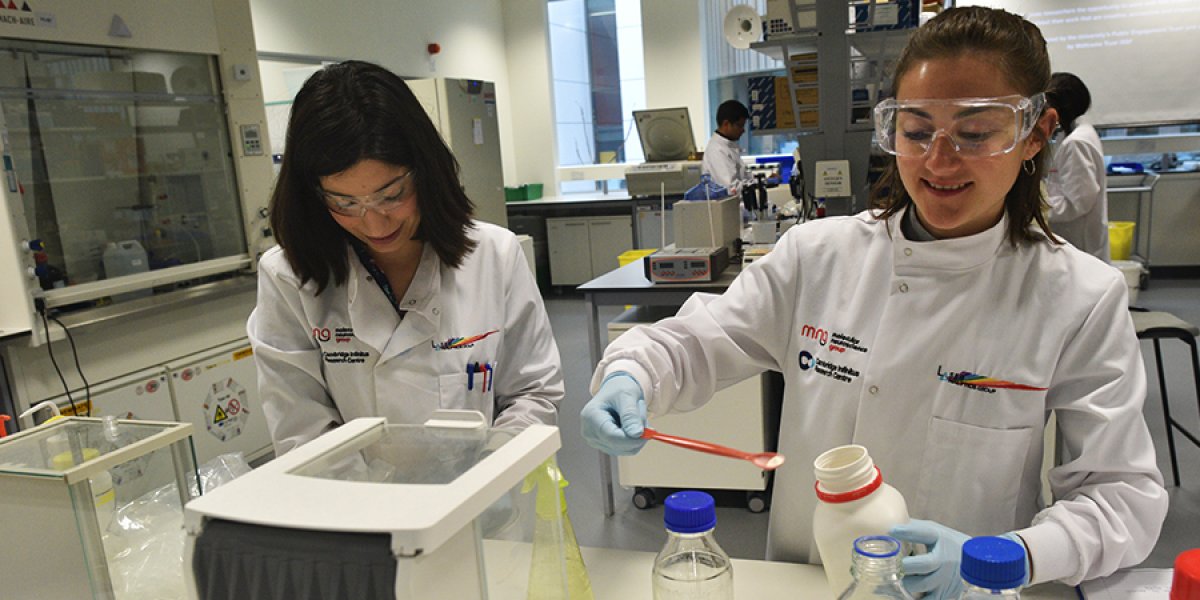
(666, 133)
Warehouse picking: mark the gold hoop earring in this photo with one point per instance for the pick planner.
(1028, 166)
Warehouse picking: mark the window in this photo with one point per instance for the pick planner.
(596, 56)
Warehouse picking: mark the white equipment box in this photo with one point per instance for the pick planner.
(655, 178)
(693, 218)
(217, 391)
(734, 418)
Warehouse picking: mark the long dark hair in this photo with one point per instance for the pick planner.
(346, 113)
(1020, 53)
(1070, 97)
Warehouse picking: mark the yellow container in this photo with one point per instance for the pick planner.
(629, 256)
(1120, 239)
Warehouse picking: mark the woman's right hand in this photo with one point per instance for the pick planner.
(613, 420)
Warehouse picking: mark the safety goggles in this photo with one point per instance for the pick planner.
(383, 201)
(975, 127)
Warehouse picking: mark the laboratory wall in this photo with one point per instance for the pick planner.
(471, 34)
(676, 74)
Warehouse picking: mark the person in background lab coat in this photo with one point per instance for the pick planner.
(722, 155)
(384, 298)
(1077, 190)
(939, 330)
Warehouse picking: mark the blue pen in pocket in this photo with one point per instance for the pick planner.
(470, 376)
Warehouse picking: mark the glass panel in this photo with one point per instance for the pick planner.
(40, 453)
(408, 454)
(122, 157)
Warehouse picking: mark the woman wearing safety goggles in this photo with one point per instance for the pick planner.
(941, 330)
(385, 297)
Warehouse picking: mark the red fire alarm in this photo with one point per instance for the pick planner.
(433, 48)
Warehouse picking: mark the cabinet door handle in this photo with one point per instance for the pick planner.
(575, 224)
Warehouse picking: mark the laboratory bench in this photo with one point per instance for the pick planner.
(625, 574)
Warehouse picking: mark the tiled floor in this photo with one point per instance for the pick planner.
(743, 534)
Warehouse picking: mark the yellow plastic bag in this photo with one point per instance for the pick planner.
(554, 545)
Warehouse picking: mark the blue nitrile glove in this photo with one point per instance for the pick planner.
(1028, 559)
(614, 418)
(937, 571)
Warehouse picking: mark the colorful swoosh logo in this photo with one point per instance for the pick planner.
(983, 381)
(462, 342)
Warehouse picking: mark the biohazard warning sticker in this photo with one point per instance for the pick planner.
(225, 412)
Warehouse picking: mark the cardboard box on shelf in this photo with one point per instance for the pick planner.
(808, 96)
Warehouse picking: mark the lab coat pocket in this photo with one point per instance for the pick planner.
(453, 393)
(971, 476)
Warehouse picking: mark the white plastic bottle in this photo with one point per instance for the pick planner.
(691, 566)
(993, 568)
(854, 502)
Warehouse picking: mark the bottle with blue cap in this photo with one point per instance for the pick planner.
(992, 568)
(691, 565)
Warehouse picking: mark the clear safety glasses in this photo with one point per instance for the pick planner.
(975, 127)
(383, 201)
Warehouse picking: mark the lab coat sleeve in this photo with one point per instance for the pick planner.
(713, 341)
(529, 383)
(1075, 190)
(296, 402)
(1110, 496)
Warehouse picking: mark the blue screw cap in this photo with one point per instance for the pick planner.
(690, 512)
(993, 563)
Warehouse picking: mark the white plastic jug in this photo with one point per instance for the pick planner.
(854, 501)
(126, 258)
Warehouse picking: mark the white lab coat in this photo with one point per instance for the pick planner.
(865, 325)
(1077, 192)
(323, 360)
(723, 163)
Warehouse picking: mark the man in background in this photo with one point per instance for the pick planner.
(723, 156)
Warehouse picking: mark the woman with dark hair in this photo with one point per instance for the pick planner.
(1077, 189)
(940, 331)
(384, 297)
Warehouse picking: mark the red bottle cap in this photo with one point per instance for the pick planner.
(1186, 584)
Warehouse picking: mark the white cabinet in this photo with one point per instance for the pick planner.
(141, 395)
(583, 248)
(608, 237)
(570, 254)
(217, 391)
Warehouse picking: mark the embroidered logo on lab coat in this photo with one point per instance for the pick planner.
(825, 368)
(458, 343)
(982, 383)
(838, 342)
(338, 335)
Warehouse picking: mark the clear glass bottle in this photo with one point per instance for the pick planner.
(993, 568)
(691, 566)
(876, 569)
